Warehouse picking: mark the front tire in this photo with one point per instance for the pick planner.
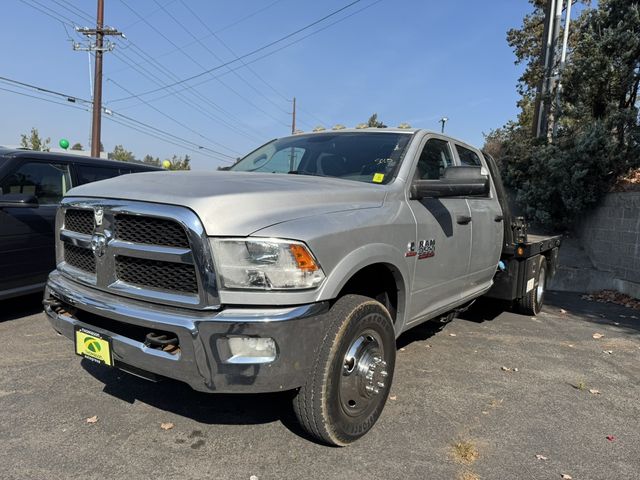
(350, 381)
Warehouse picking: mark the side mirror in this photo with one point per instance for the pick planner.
(463, 181)
(18, 200)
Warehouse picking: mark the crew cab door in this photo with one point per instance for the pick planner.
(486, 227)
(443, 238)
(27, 252)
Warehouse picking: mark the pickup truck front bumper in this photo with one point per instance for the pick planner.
(202, 359)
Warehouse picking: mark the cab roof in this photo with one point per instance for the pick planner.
(13, 153)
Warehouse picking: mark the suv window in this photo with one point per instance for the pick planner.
(435, 157)
(48, 182)
(468, 157)
(88, 174)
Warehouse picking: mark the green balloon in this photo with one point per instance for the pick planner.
(64, 143)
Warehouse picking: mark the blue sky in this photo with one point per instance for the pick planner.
(412, 61)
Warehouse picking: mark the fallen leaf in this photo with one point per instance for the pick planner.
(610, 352)
(597, 335)
(564, 476)
(594, 391)
(541, 457)
(611, 438)
(515, 369)
(452, 334)
(402, 349)
(392, 397)
(428, 346)
(93, 419)
(562, 310)
(166, 425)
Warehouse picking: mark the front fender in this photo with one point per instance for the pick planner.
(362, 257)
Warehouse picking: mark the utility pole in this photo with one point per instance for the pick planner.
(293, 117)
(443, 120)
(99, 47)
(551, 70)
(547, 40)
(563, 60)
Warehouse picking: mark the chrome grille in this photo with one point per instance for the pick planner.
(79, 257)
(77, 220)
(150, 231)
(138, 250)
(156, 274)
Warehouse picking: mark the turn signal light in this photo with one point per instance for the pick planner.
(303, 258)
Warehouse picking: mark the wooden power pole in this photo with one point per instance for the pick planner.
(99, 47)
(293, 117)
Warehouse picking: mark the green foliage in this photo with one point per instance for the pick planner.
(33, 141)
(76, 146)
(374, 122)
(148, 159)
(598, 136)
(179, 163)
(121, 154)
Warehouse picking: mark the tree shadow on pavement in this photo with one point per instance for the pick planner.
(19, 307)
(206, 408)
(592, 311)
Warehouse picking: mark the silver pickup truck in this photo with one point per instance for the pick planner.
(295, 270)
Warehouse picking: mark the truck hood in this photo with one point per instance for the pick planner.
(239, 203)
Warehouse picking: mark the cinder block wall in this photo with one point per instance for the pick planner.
(610, 235)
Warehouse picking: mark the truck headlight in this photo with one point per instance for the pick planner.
(265, 264)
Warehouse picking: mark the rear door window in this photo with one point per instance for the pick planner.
(89, 173)
(468, 157)
(48, 182)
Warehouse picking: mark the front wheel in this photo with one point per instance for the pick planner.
(345, 393)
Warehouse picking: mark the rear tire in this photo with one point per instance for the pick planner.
(348, 387)
(532, 302)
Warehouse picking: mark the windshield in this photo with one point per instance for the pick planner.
(361, 156)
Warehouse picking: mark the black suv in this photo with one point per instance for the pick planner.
(31, 186)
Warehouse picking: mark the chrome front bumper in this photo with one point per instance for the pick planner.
(297, 331)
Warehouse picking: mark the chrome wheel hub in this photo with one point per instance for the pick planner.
(364, 373)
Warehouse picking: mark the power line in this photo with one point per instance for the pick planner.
(235, 55)
(78, 11)
(268, 54)
(72, 100)
(245, 130)
(190, 57)
(226, 27)
(147, 74)
(177, 122)
(264, 47)
(230, 50)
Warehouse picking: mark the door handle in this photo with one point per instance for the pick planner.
(498, 218)
(463, 219)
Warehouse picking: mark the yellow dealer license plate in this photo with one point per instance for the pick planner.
(93, 345)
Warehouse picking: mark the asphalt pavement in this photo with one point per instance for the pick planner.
(492, 395)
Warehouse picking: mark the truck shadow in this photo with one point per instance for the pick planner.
(19, 307)
(208, 409)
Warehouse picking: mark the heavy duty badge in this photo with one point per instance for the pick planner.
(426, 248)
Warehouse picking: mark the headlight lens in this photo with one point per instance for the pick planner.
(269, 264)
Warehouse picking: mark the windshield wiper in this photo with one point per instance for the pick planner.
(305, 172)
